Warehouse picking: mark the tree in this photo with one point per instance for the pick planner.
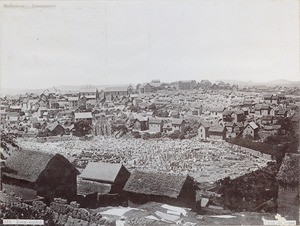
(22, 113)
(152, 107)
(146, 136)
(82, 128)
(285, 123)
(136, 134)
(133, 108)
(82, 108)
(161, 113)
(174, 135)
(119, 127)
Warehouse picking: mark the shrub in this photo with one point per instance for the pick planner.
(136, 134)
(174, 135)
(146, 136)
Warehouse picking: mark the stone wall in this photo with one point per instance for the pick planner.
(59, 212)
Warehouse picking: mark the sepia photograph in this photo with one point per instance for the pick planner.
(149, 112)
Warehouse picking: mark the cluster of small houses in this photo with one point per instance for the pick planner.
(250, 118)
(54, 114)
(33, 175)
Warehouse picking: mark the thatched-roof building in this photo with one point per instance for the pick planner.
(105, 173)
(217, 132)
(30, 174)
(100, 181)
(54, 129)
(173, 189)
(288, 191)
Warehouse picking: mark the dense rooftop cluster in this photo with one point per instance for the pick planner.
(152, 142)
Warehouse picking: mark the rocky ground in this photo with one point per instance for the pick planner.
(206, 161)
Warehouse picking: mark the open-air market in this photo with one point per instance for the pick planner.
(149, 113)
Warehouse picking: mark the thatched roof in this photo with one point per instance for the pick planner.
(101, 172)
(289, 170)
(230, 124)
(239, 112)
(177, 121)
(26, 194)
(27, 165)
(205, 124)
(156, 183)
(216, 129)
(52, 126)
(155, 121)
(247, 102)
(85, 187)
(227, 113)
(217, 109)
(265, 107)
(34, 120)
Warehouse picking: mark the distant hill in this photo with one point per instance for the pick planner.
(57, 89)
(284, 82)
(63, 89)
(12, 92)
(279, 82)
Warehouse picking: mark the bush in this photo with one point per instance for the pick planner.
(250, 190)
(156, 135)
(258, 146)
(152, 106)
(161, 113)
(174, 135)
(82, 128)
(133, 108)
(136, 134)
(146, 136)
(181, 136)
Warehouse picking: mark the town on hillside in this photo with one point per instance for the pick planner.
(155, 153)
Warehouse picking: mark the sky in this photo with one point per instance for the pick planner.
(52, 43)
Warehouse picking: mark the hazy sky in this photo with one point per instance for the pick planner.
(111, 42)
